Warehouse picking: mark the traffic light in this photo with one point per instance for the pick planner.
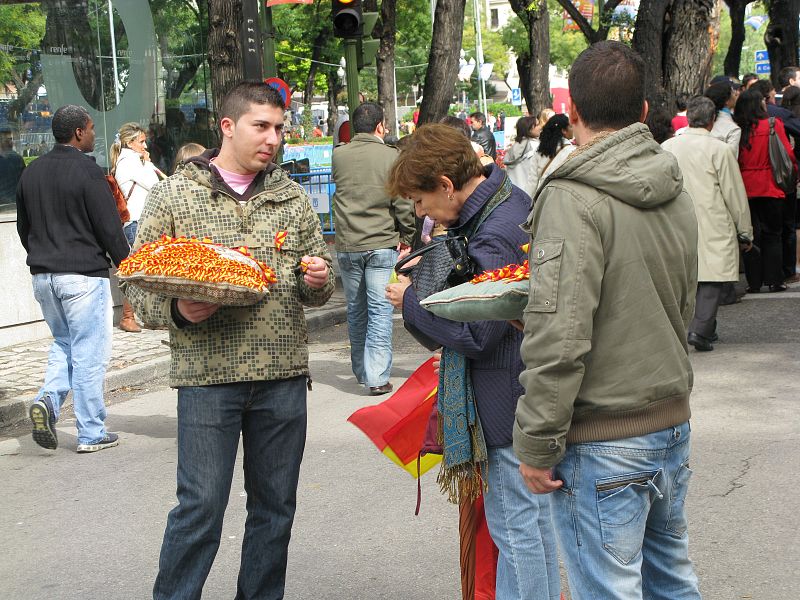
(348, 21)
(367, 46)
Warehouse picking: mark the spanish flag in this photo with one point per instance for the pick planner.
(397, 425)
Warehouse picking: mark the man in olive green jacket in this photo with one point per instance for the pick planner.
(371, 227)
(603, 424)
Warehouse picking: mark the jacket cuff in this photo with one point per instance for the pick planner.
(177, 318)
(539, 452)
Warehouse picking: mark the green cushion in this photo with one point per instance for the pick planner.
(486, 301)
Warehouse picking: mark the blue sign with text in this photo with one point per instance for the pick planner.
(762, 69)
(516, 96)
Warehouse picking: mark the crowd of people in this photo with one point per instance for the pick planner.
(568, 431)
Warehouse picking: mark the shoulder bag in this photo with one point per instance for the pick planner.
(780, 161)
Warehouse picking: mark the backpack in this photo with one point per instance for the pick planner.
(120, 198)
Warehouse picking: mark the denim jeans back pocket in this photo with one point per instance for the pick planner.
(70, 285)
(623, 504)
(676, 522)
(545, 263)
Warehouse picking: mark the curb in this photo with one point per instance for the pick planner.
(15, 410)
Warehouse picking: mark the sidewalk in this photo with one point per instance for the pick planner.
(135, 359)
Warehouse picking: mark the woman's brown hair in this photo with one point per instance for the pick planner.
(434, 151)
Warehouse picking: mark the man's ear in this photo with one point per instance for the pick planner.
(227, 126)
(574, 117)
(645, 111)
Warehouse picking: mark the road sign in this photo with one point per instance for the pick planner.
(762, 69)
(762, 56)
(320, 202)
(516, 96)
(283, 87)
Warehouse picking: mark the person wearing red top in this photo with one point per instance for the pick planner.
(764, 196)
(680, 121)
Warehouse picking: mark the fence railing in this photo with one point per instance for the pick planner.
(318, 185)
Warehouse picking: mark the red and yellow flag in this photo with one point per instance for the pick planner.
(397, 425)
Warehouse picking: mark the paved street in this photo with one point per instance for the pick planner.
(81, 526)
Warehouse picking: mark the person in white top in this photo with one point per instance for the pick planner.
(520, 157)
(135, 175)
(554, 146)
(724, 98)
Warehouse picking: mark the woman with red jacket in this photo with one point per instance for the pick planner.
(764, 196)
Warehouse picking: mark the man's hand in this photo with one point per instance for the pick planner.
(745, 247)
(316, 275)
(539, 481)
(396, 291)
(516, 324)
(196, 312)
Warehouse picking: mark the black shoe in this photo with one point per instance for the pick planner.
(714, 338)
(381, 389)
(700, 343)
(109, 441)
(44, 423)
(778, 287)
(752, 290)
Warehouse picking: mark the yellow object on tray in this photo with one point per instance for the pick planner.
(198, 270)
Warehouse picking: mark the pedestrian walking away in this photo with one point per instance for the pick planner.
(711, 176)
(68, 223)
(371, 229)
(240, 371)
(603, 426)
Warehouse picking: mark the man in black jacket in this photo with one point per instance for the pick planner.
(481, 134)
(67, 221)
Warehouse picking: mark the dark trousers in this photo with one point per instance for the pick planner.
(270, 416)
(789, 235)
(707, 300)
(767, 217)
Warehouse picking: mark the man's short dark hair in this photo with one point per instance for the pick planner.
(478, 116)
(238, 100)
(785, 74)
(67, 119)
(606, 84)
(700, 111)
(366, 117)
(719, 94)
(457, 123)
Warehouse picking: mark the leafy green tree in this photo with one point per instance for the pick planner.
(20, 43)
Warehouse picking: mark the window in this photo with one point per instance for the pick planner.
(494, 18)
(120, 69)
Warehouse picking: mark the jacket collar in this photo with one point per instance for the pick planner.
(367, 137)
(485, 190)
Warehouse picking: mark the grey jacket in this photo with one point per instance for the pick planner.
(613, 262)
(366, 217)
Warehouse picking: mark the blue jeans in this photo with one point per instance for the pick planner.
(130, 231)
(271, 417)
(78, 311)
(620, 517)
(522, 530)
(369, 314)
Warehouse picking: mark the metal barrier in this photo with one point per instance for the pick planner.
(319, 187)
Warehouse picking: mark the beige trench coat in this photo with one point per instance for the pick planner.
(711, 176)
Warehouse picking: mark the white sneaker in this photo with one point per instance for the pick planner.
(109, 441)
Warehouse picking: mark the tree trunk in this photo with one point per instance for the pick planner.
(224, 48)
(534, 67)
(316, 55)
(385, 63)
(440, 78)
(67, 27)
(781, 36)
(688, 36)
(334, 89)
(734, 56)
(648, 42)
